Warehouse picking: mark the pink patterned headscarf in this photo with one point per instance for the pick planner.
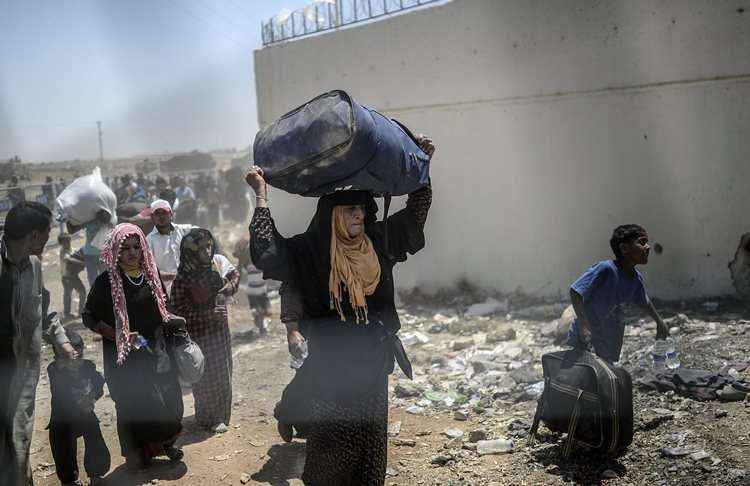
(110, 254)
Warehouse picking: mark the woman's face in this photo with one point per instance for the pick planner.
(130, 251)
(354, 219)
(205, 251)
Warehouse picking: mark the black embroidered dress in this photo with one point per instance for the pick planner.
(339, 396)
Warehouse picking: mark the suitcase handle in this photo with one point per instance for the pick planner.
(573, 425)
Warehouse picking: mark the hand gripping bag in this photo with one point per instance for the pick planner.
(333, 143)
(188, 357)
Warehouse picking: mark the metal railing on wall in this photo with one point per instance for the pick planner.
(323, 15)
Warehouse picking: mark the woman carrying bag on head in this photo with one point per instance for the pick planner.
(127, 306)
(338, 283)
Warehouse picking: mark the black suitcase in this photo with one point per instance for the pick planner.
(588, 399)
(333, 143)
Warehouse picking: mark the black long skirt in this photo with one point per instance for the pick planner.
(148, 404)
(339, 400)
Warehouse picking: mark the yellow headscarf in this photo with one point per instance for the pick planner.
(354, 264)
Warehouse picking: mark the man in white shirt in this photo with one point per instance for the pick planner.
(164, 241)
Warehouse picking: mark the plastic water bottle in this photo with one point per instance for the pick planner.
(664, 355)
(659, 354)
(295, 362)
(497, 446)
(672, 361)
(141, 342)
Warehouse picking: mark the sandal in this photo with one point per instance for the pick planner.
(174, 454)
(285, 431)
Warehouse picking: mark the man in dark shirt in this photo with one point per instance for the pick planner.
(25, 321)
(7, 357)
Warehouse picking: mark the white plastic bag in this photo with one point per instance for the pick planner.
(84, 197)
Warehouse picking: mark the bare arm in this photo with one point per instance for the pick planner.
(583, 321)
(662, 331)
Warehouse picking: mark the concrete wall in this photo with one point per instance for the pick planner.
(554, 122)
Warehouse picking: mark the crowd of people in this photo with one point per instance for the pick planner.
(143, 288)
(337, 303)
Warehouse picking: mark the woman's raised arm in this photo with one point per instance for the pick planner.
(268, 249)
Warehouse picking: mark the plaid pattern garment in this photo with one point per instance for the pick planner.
(208, 326)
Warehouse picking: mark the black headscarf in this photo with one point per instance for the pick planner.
(192, 269)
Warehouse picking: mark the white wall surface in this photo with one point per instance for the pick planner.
(555, 121)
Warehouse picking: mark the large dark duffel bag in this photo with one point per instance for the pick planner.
(587, 398)
(333, 143)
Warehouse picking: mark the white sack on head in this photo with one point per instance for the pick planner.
(84, 197)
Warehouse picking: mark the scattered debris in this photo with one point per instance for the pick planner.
(497, 446)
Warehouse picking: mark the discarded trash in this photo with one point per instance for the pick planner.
(453, 433)
(394, 429)
(446, 398)
(497, 446)
(414, 338)
(414, 409)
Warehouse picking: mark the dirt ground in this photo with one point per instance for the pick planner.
(421, 453)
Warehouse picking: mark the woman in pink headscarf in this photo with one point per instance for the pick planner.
(127, 306)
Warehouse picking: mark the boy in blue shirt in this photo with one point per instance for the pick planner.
(598, 296)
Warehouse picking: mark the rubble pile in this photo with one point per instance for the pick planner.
(477, 367)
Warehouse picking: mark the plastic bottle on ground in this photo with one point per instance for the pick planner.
(497, 446)
(672, 361)
(664, 355)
